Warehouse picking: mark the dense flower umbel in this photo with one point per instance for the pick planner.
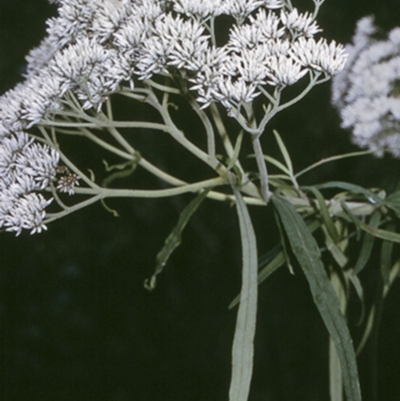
(93, 48)
(367, 93)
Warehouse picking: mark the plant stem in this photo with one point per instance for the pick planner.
(152, 193)
(262, 168)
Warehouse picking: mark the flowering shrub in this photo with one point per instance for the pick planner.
(231, 63)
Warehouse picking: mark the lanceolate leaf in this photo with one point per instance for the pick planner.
(272, 261)
(308, 255)
(267, 269)
(174, 239)
(386, 260)
(329, 224)
(379, 233)
(371, 196)
(368, 244)
(376, 232)
(284, 151)
(236, 150)
(243, 347)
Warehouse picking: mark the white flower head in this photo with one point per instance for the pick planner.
(320, 56)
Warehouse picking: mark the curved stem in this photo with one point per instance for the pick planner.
(152, 193)
(262, 168)
(180, 137)
(208, 127)
(104, 124)
(56, 216)
(67, 162)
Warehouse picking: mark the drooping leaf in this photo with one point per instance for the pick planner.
(376, 232)
(243, 347)
(382, 234)
(283, 243)
(266, 270)
(329, 224)
(386, 259)
(236, 150)
(337, 254)
(272, 261)
(174, 239)
(335, 371)
(355, 281)
(367, 331)
(367, 245)
(369, 195)
(393, 202)
(308, 255)
(272, 266)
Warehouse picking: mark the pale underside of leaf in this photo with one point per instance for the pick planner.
(243, 342)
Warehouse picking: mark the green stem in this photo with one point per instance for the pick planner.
(68, 162)
(105, 124)
(152, 193)
(262, 168)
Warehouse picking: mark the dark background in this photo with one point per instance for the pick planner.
(76, 323)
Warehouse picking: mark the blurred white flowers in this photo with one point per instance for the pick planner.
(367, 92)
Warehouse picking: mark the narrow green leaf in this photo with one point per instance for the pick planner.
(355, 281)
(284, 152)
(329, 224)
(371, 196)
(283, 242)
(236, 150)
(278, 164)
(386, 259)
(382, 234)
(272, 266)
(266, 271)
(333, 158)
(308, 255)
(335, 371)
(337, 254)
(352, 218)
(393, 202)
(335, 374)
(272, 261)
(367, 245)
(174, 239)
(243, 342)
(367, 331)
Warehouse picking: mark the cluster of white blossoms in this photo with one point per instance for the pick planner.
(367, 92)
(93, 48)
(26, 167)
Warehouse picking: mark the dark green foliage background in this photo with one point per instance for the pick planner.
(76, 323)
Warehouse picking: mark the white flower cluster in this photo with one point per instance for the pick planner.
(94, 47)
(25, 168)
(367, 92)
